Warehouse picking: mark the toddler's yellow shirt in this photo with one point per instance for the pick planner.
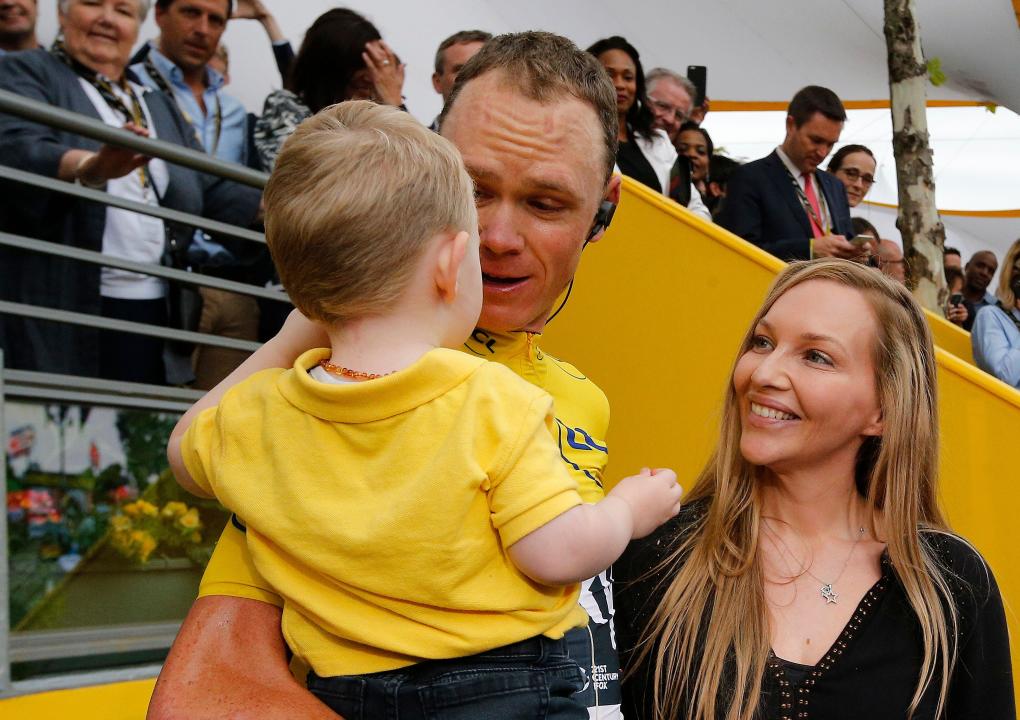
(381, 511)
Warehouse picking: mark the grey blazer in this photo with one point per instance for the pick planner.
(40, 279)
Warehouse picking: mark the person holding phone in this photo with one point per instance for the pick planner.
(957, 311)
(785, 203)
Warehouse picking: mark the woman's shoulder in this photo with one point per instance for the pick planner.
(967, 573)
(989, 312)
(284, 102)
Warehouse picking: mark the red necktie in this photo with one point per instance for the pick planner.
(809, 190)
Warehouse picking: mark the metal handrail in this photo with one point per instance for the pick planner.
(98, 258)
(45, 114)
(55, 385)
(163, 213)
(37, 312)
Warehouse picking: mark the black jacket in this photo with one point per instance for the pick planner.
(763, 208)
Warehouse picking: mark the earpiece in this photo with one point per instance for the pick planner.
(603, 216)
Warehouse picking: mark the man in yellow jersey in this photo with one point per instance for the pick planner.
(537, 131)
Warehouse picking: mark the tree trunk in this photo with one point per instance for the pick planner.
(918, 221)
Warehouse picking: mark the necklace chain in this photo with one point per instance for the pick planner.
(827, 590)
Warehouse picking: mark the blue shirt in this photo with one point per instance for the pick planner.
(996, 342)
(233, 118)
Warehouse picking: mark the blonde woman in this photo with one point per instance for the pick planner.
(811, 573)
(996, 332)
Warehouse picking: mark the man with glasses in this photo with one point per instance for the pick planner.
(670, 97)
(891, 262)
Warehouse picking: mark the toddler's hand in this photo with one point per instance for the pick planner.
(653, 497)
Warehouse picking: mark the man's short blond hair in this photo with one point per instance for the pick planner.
(357, 192)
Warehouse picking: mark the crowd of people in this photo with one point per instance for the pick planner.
(810, 562)
(784, 203)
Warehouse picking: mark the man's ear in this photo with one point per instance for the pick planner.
(449, 258)
(612, 195)
(791, 125)
(435, 83)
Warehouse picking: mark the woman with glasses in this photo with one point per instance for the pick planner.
(996, 332)
(855, 166)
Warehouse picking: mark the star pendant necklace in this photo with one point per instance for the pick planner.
(828, 589)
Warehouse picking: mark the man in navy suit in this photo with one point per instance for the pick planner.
(783, 203)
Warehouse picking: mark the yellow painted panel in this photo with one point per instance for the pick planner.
(657, 311)
(117, 701)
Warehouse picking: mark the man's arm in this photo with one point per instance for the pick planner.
(229, 662)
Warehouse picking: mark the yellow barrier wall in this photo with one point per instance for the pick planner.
(657, 311)
(654, 318)
(118, 701)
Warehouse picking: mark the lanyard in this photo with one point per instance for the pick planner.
(826, 227)
(164, 85)
(105, 88)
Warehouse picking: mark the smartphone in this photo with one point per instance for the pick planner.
(698, 74)
(861, 240)
(956, 299)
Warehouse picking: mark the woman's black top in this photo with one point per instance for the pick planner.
(633, 163)
(871, 671)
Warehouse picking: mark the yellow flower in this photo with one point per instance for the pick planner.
(131, 509)
(174, 508)
(189, 520)
(120, 523)
(147, 508)
(137, 536)
(146, 547)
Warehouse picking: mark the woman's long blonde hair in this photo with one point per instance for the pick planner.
(712, 621)
(1005, 291)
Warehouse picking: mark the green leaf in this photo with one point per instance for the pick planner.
(935, 74)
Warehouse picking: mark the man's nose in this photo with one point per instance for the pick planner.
(498, 231)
